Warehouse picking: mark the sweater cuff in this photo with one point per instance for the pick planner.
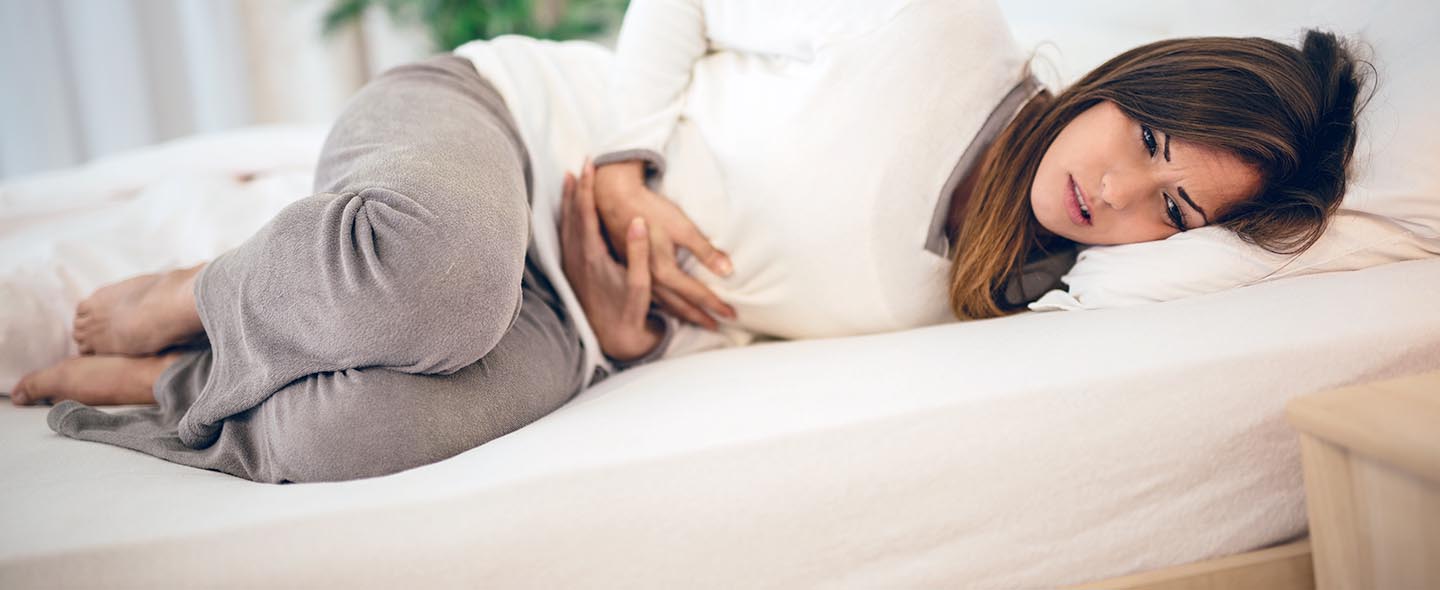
(666, 335)
(654, 163)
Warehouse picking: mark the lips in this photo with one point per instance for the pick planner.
(1072, 207)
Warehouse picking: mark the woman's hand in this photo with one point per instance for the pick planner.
(616, 299)
(621, 196)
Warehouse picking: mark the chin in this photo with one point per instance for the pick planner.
(1073, 239)
(1064, 231)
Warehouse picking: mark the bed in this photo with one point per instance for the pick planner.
(1033, 451)
(1057, 448)
(1036, 451)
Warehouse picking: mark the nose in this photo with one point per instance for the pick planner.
(1123, 188)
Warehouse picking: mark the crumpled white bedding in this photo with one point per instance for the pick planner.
(1032, 451)
(65, 233)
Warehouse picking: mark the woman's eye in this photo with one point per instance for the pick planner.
(1176, 218)
(1149, 139)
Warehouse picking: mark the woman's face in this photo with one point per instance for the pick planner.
(1138, 183)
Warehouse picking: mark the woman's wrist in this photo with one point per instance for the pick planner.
(623, 175)
(638, 345)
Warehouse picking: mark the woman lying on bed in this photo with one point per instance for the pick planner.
(857, 167)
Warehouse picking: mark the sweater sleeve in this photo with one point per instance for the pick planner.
(680, 338)
(661, 41)
(685, 338)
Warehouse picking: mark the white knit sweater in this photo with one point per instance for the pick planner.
(815, 141)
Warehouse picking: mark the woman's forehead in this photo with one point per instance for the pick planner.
(1213, 177)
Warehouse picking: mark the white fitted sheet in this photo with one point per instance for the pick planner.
(1037, 450)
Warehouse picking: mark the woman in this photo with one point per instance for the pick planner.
(415, 306)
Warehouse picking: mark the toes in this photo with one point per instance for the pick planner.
(83, 337)
(18, 394)
(86, 346)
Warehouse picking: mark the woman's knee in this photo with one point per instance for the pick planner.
(446, 291)
(350, 280)
(383, 230)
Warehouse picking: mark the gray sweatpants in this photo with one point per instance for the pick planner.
(393, 319)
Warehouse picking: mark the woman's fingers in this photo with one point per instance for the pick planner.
(717, 261)
(667, 273)
(693, 291)
(651, 267)
(679, 307)
(567, 217)
(637, 274)
(585, 208)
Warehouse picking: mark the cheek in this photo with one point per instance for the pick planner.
(1035, 194)
(1049, 167)
(1058, 162)
(1067, 155)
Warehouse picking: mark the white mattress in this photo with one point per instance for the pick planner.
(1031, 451)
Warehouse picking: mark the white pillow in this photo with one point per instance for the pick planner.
(1211, 259)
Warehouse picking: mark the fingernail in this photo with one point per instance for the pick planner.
(723, 266)
(637, 227)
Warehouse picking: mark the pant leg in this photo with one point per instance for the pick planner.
(380, 324)
(410, 258)
(360, 422)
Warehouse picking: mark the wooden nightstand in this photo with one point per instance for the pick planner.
(1371, 455)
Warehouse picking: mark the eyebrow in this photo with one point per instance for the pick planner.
(1185, 196)
(1181, 189)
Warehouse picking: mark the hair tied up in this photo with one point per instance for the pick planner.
(1337, 73)
(1329, 138)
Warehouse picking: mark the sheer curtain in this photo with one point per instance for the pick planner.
(84, 78)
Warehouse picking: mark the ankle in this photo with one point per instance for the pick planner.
(184, 296)
(157, 366)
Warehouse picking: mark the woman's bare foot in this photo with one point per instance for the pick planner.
(94, 380)
(140, 316)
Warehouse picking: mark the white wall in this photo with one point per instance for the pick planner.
(84, 78)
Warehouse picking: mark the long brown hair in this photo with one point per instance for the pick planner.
(1289, 112)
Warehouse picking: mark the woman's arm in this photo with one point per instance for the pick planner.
(659, 44)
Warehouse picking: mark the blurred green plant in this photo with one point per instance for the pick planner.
(451, 23)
